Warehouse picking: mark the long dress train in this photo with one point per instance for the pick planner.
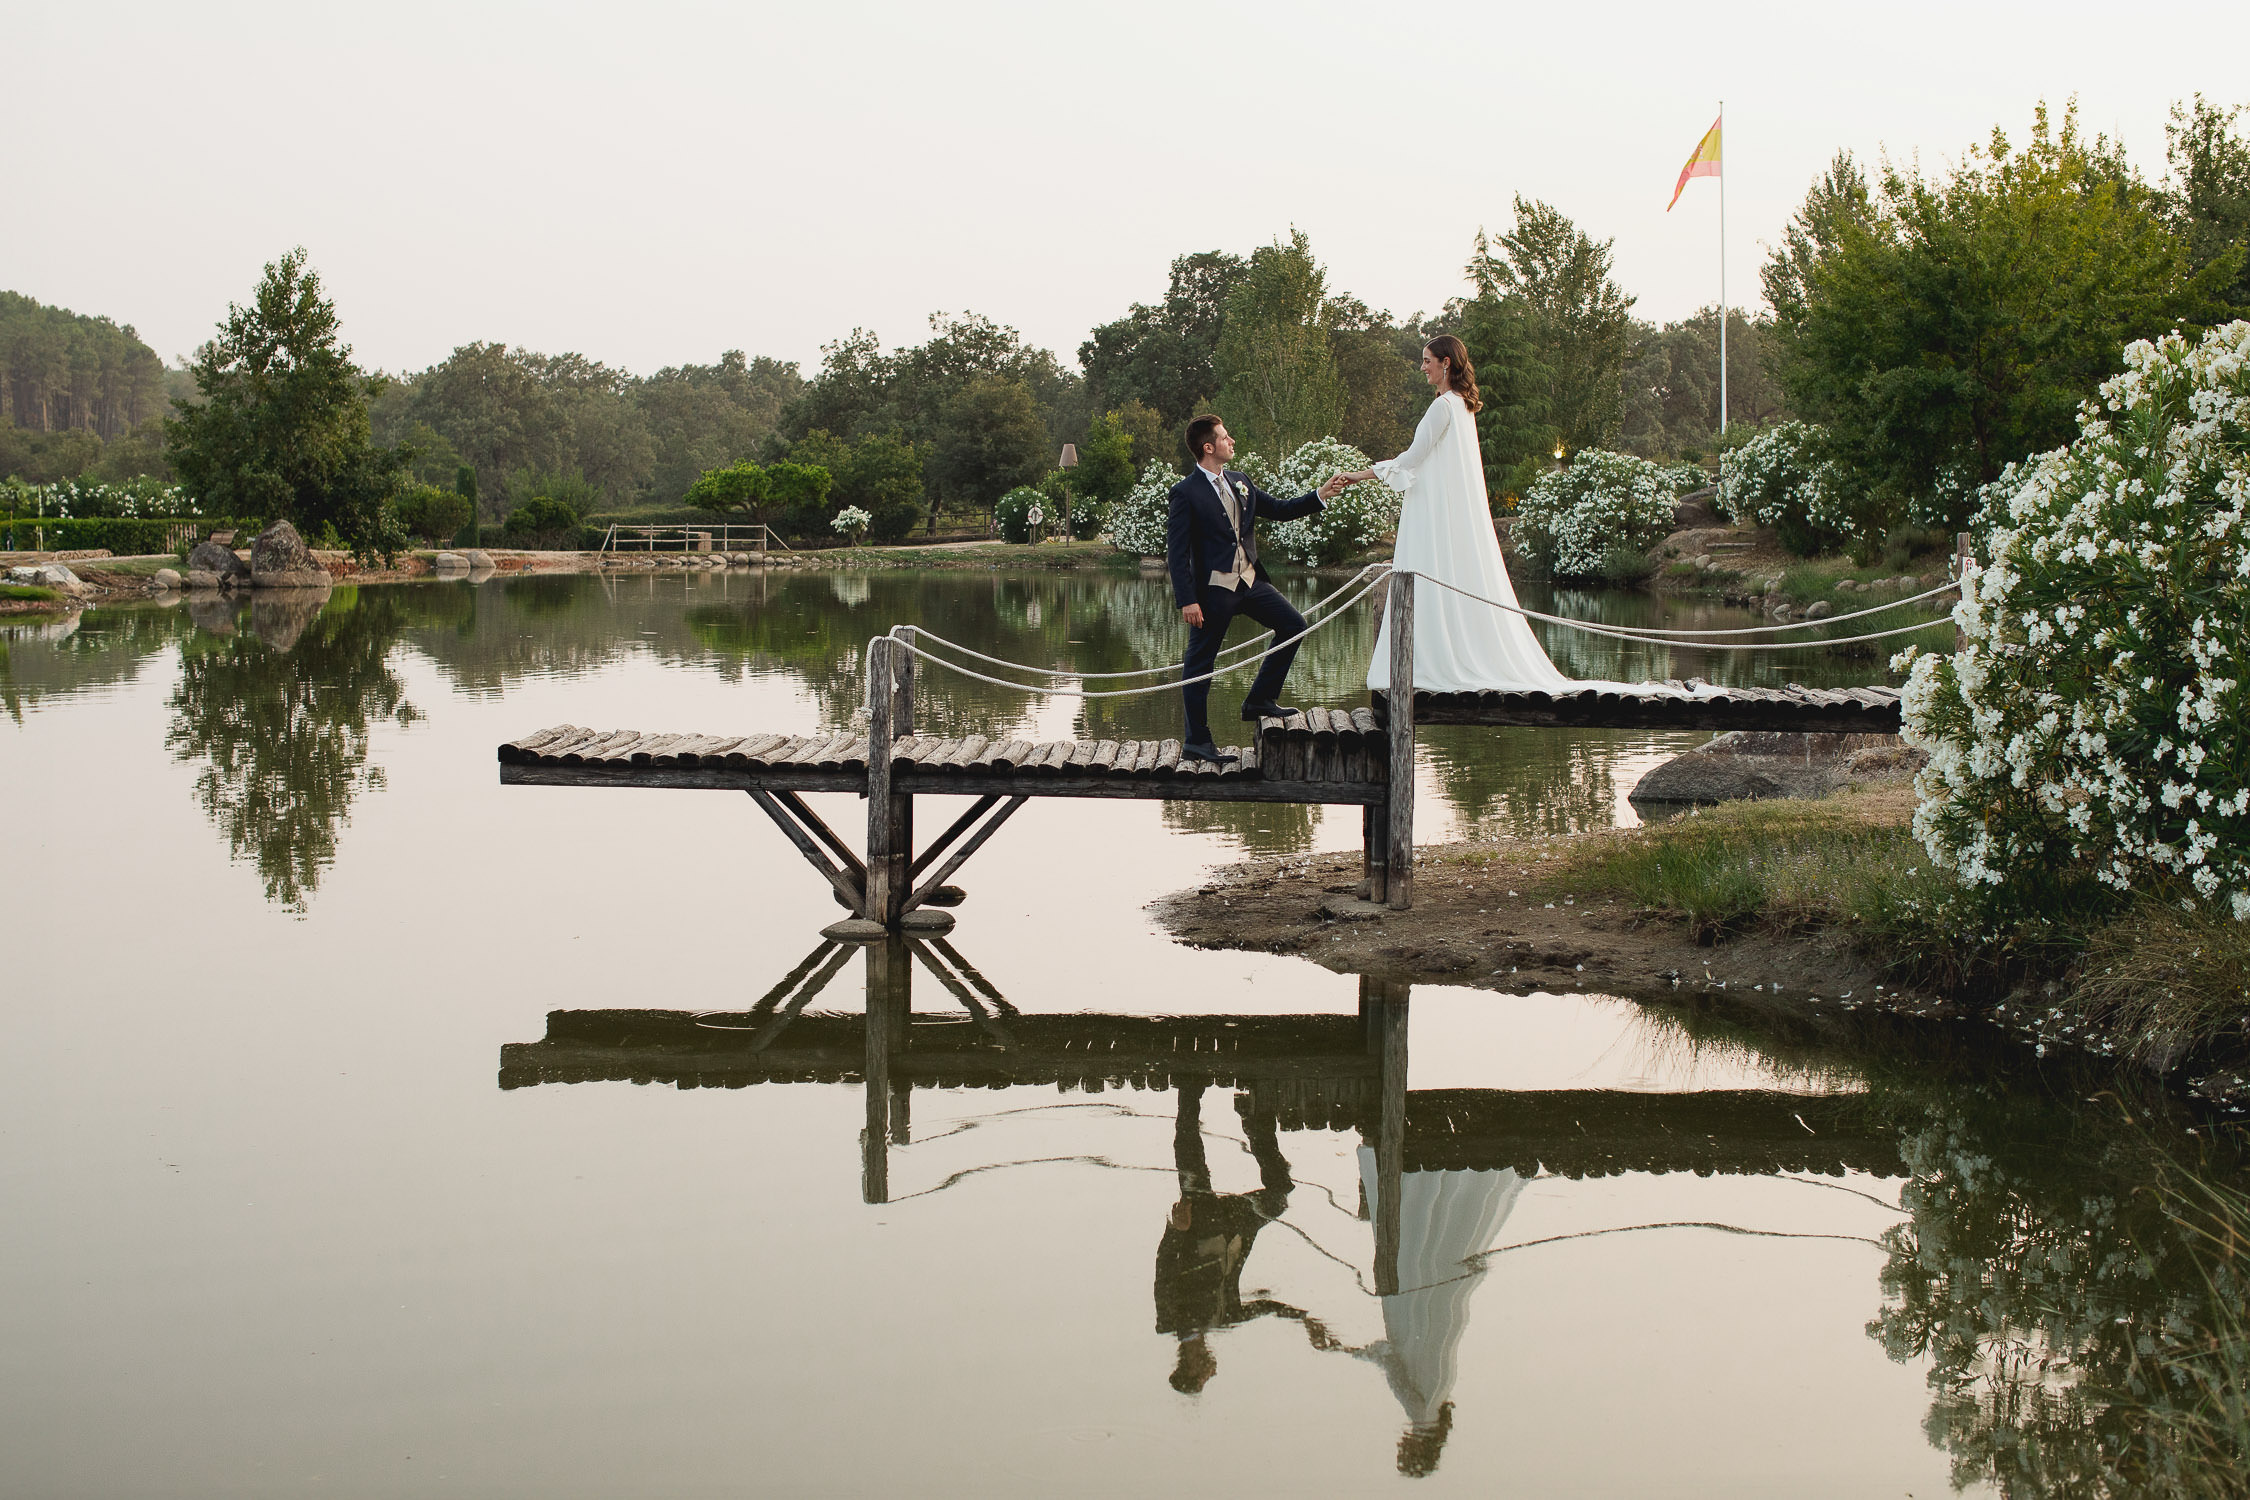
(1445, 532)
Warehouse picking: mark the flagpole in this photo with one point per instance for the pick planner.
(1722, 268)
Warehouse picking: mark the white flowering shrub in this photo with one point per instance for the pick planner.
(145, 499)
(1012, 513)
(852, 520)
(1136, 522)
(1597, 518)
(2094, 721)
(1361, 517)
(1784, 478)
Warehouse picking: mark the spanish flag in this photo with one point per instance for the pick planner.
(1704, 163)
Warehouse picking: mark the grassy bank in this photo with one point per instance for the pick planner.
(2138, 979)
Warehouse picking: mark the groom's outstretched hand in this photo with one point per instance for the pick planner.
(1333, 486)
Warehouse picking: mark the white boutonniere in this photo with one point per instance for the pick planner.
(1242, 489)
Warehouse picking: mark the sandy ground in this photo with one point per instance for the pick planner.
(1475, 921)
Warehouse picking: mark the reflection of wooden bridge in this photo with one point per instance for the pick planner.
(1322, 756)
(1311, 1072)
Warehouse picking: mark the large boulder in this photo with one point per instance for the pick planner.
(480, 561)
(166, 579)
(1750, 764)
(220, 561)
(279, 559)
(200, 580)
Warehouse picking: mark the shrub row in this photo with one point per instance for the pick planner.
(123, 537)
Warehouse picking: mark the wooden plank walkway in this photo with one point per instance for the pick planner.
(1321, 755)
(1794, 709)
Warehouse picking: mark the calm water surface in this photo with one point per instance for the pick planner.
(370, 1129)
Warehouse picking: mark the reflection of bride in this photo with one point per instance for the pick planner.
(1444, 1219)
(1445, 532)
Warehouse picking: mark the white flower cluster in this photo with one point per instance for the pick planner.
(2095, 718)
(851, 518)
(1574, 518)
(1361, 517)
(1136, 523)
(81, 499)
(1783, 478)
(1017, 512)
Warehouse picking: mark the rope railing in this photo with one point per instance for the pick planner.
(1016, 666)
(1646, 639)
(910, 636)
(1173, 685)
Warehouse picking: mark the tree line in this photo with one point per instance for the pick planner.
(1935, 328)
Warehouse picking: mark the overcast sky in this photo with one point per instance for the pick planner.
(652, 183)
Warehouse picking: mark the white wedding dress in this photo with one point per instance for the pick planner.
(1445, 532)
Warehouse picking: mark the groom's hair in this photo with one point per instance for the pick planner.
(1199, 436)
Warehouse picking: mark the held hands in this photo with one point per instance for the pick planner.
(1336, 484)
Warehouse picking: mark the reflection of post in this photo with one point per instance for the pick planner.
(890, 977)
(1383, 1004)
(883, 871)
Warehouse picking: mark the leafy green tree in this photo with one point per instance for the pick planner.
(799, 492)
(431, 514)
(62, 371)
(1515, 432)
(281, 430)
(989, 440)
(2208, 198)
(1672, 382)
(1573, 321)
(1162, 356)
(542, 522)
(1278, 383)
(1106, 467)
(736, 489)
(1941, 328)
(700, 416)
(1380, 366)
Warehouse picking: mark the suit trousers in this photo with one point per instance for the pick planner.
(1261, 602)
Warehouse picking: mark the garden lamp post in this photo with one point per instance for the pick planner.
(1068, 460)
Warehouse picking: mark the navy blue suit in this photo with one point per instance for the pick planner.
(1200, 541)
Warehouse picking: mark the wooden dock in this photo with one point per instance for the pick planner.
(1361, 757)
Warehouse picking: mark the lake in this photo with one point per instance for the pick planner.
(370, 1129)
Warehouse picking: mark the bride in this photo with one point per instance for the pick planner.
(1445, 532)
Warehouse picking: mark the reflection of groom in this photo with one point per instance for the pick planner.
(1212, 548)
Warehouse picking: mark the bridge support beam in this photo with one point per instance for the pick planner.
(1398, 799)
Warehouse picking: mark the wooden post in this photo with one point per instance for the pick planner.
(902, 803)
(1964, 560)
(1374, 850)
(1398, 871)
(883, 893)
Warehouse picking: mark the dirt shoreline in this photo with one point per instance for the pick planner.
(1474, 922)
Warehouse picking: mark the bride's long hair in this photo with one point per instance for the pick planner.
(1459, 372)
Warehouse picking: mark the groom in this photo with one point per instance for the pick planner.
(1212, 548)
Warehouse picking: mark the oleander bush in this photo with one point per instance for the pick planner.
(1137, 522)
(1788, 478)
(1597, 518)
(1018, 512)
(1362, 517)
(146, 498)
(2093, 727)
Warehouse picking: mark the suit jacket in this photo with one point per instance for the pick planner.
(1199, 540)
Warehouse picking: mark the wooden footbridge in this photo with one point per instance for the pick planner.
(1361, 757)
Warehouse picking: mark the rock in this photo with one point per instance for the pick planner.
(1819, 609)
(1761, 763)
(1703, 561)
(49, 576)
(1694, 511)
(479, 559)
(166, 579)
(739, 559)
(220, 562)
(279, 559)
(22, 575)
(200, 579)
(450, 562)
(1907, 582)
(1847, 585)
(1881, 760)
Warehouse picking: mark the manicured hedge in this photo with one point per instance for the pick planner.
(123, 537)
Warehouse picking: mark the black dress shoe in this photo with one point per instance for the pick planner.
(1204, 750)
(1255, 711)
